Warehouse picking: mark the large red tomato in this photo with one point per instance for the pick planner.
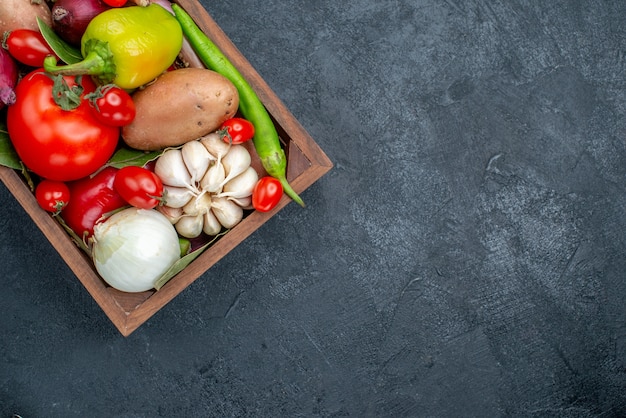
(54, 143)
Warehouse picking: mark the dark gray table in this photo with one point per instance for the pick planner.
(464, 258)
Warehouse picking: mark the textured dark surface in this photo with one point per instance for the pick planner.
(465, 257)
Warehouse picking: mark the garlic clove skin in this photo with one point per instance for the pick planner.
(197, 159)
(235, 162)
(215, 145)
(244, 202)
(171, 169)
(242, 185)
(172, 214)
(176, 197)
(198, 205)
(211, 225)
(227, 212)
(212, 180)
(190, 226)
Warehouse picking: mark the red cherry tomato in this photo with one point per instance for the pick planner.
(58, 144)
(91, 199)
(266, 194)
(28, 47)
(115, 3)
(239, 129)
(52, 196)
(112, 105)
(139, 186)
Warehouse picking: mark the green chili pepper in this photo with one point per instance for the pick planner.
(266, 141)
(127, 46)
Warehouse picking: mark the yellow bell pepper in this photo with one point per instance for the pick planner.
(127, 46)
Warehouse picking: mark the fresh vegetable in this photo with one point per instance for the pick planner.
(133, 248)
(112, 105)
(238, 130)
(91, 199)
(52, 196)
(139, 187)
(126, 46)
(27, 46)
(180, 106)
(71, 17)
(235, 162)
(115, 3)
(227, 212)
(22, 14)
(59, 141)
(241, 185)
(266, 194)
(9, 74)
(187, 54)
(205, 186)
(266, 140)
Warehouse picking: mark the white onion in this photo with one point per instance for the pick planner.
(133, 248)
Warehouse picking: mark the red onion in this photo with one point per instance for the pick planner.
(166, 4)
(71, 17)
(8, 78)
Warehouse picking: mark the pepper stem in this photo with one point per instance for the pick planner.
(97, 62)
(289, 191)
(275, 164)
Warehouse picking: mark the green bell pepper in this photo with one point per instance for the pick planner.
(127, 46)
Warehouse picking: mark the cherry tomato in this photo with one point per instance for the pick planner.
(115, 3)
(91, 199)
(28, 47)
(266, 194)
(139, 186)
(112, 105)
(239, 129)
(52, 196)
(54, 143)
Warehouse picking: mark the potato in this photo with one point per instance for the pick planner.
(22, 14)
(180, 106)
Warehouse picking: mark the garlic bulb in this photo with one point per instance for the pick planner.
(210, 180)
(133, 248)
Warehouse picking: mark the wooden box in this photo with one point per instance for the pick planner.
(306, 164)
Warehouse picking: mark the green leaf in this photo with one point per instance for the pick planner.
(66, 52)
(8, 156)
(126, 156)
(184, 262)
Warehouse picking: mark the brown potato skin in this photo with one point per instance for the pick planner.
(22, 14)
(178, 107)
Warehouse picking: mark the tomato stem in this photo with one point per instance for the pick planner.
(66, 97)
